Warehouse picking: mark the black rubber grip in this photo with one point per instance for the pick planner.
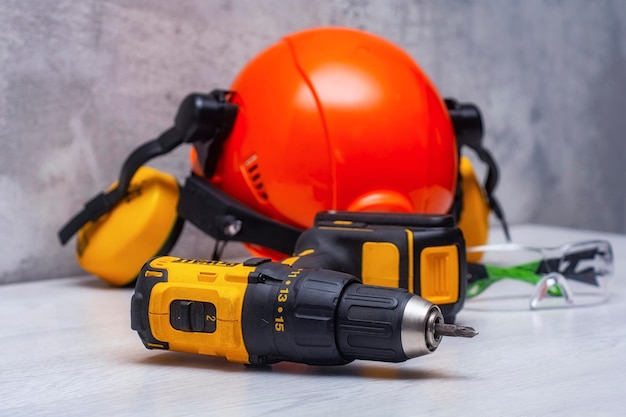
(370, 323)
(139, 315)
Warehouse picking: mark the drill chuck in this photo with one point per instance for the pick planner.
(263, 312)
(418, 327)
(385, 324)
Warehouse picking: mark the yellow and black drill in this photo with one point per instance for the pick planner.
(262, 312)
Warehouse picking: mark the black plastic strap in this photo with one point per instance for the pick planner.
(468, 128)
(104, 202)
(490, 184)
(223, 115)
(224, 218)
(201, 119)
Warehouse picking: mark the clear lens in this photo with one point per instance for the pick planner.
(515, 277)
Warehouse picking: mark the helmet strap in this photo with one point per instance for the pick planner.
(202, 119)
(468, 128)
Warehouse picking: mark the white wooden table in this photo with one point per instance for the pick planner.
(68, 350)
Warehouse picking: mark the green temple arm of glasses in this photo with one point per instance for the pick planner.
(524, 272)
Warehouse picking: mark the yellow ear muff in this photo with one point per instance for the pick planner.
(144, 224)
(474, 220)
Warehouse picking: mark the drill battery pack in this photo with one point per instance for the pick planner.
(424, 254)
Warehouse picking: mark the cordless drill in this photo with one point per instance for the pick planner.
(262, 312)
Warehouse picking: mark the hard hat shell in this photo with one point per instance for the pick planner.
(334, 118)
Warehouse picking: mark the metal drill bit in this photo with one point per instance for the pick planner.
(443, 329)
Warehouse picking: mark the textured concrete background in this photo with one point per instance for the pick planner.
(83, 83)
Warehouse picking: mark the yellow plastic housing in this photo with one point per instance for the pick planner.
(439, 269)
(116, 246)
(380, 264)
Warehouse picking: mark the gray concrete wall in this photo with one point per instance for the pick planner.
(84, 82)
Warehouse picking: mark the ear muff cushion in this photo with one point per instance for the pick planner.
(144, 224)
(474, 220)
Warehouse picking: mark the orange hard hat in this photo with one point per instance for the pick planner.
(337, 119)
(325, 119)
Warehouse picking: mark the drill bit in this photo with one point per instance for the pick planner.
(443, 329)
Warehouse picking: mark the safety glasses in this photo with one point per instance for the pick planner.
(514, 277)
